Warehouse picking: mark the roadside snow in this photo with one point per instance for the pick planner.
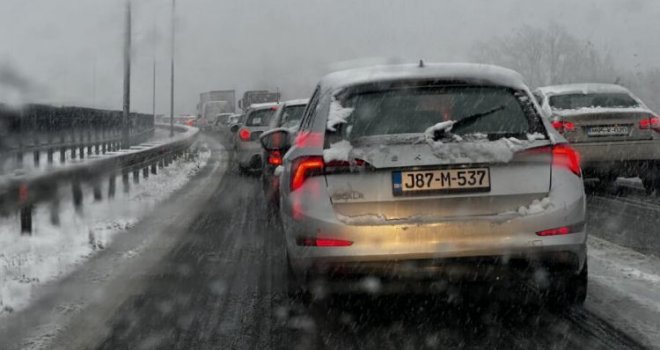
(337, 151)
(624, 288)
(28, 262)
(535, 136)
(338, 114)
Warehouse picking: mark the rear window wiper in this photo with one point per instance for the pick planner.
(467, 121)
(471, 119)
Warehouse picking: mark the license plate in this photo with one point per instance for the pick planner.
(608, 130)
(446, 180)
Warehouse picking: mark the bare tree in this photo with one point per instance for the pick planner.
(548, 56)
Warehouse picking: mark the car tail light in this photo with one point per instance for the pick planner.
(653, 122)
(566, 156)
(309, 139)
(323, 242)
(244, 134)
(559, 231)
(304, 168)
(563, 126)
(275, 158)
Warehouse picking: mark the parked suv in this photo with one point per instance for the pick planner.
(615, 133)
(407, 178)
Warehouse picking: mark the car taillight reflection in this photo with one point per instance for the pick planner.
(652, 122)
(244, 134)
(275, 158)
(563, 126)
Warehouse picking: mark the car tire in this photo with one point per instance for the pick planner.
(568, 289)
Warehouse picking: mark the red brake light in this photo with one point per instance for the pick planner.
(323, 242)
(564, 230)
(564, 155)
(309, 139)
(652, 122)
(275, 158)
(563, 126)
(304, 168)
(244, 134)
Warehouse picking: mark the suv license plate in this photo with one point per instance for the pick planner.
(446, 180)
(608, 130)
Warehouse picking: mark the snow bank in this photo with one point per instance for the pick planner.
(501, 150)
(536, 207)
(429, 134)
(629, 283)
(535, 136)
(27, 262)
(338, 114)
(338, 151)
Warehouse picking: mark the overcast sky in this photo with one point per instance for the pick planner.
(70, 51)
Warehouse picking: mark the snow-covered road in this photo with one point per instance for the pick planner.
(206, 270)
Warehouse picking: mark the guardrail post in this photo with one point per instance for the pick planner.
(127, 184)
(50, 156)
(26, 220)
(73, 152)
(62, 154)
(154, 168)
(161, 163)
(145, 172)
(36, 155)
(97, 148)
(82, 151)
(19, 159)
(103, 147)
(77, 195)
(136, 176)
(97, 192)
(112, 183)
(55, 212)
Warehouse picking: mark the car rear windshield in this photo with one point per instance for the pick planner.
(492, 110)
(292, 115)
(260, 117)
(601, 100)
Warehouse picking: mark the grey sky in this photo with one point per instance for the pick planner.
(69, 51)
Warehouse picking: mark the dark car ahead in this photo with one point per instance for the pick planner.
(288, 116)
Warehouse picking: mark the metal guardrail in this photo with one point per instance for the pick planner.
(24, 192)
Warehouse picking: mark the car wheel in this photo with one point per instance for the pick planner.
(569, 289)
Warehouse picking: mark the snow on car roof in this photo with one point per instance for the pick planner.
(582, 89)
(477, 73)
(263, 105)
(301, 101)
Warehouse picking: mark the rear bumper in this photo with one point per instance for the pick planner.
(248, 154)
(629, 158)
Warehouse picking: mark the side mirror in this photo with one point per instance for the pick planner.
(234, 128)
(276, 140)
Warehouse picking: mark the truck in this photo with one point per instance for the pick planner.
(212, 103)
(257, 96)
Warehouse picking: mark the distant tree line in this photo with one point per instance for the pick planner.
(552, 55)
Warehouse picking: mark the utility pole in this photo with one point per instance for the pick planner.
(153, 90)
(127, 77)
(172, 72)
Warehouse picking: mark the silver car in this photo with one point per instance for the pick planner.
(614, 131)
(408, 177)
(252, 124)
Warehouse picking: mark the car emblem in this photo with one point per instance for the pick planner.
(419, 157)
(395, 158)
